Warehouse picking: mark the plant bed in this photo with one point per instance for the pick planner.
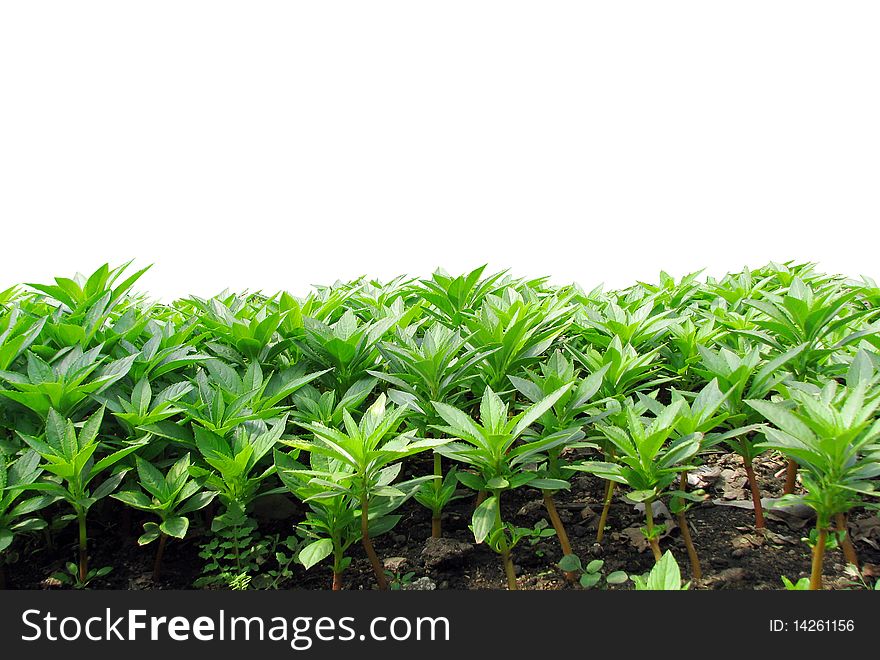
(472, 432)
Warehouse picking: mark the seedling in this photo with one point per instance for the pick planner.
(833, 436)
(16, 514)
(70, 457)
(332, 523)
(665, 576)
(372, 458)
(745, 376)
(591, 574)
(647, 460)
(568, 414)
(438, 367)
(488, 448)
(170, 497)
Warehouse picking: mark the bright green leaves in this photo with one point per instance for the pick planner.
(664, 576)
(365, 450)
(357, 466)
(833, 434)
(67, 383)
(236, 458)
(648, 457)
(488, 446)
(16, 510)
(71, 457)
(168, 496)
(485, 518)
(315, 552)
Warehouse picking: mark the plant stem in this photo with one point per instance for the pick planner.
(649, 521)
(756, 492)
(508, 570)
(818, 557)
(561, 534)
(337, 581)
(481, 497)
(603, 519)
(83, 549)
(436, 520)
(791, 470)
(696, 569)
(849, 550)
(157, 564)
(378, 569)
(505, 550)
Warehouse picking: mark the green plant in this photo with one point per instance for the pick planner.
(438, 367)
(591, 574)
(170, 497)
(65, 384)
(16, 514)
(665, 576)
(234, 553)
(72, 575)
(372, 459)
(398, 580)
(833, 436)
(70, 457)
(488, 447)
(647, 460)
(238, 476)
(810, 317)
(801, 585)
(570, 412)
(745, 375)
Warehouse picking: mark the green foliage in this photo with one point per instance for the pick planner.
(170, 497)
(328, 397)
(665, 576)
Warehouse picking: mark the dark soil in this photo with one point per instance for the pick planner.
(733, 556)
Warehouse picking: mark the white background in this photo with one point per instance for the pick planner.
(270, 145)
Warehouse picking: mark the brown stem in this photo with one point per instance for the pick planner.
(756, 492)
(436, 520)
(337, 581)
(606, 507)
(818, 557)
(378, 569)
(791, 470)
(157, 564)
(849, 550)
(652, 541)
(508, 569)
(696, 569)
(83, 548)
(481, 497)
(561, 534)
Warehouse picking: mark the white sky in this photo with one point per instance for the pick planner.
(276, 144)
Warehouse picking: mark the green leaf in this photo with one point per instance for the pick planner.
(484, 518)
(617, 577)
(665, 575)
(175, 526)
(570, 563)
(151, 533)
(315, 552)
(589, 580)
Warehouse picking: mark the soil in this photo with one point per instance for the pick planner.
(732, 555)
